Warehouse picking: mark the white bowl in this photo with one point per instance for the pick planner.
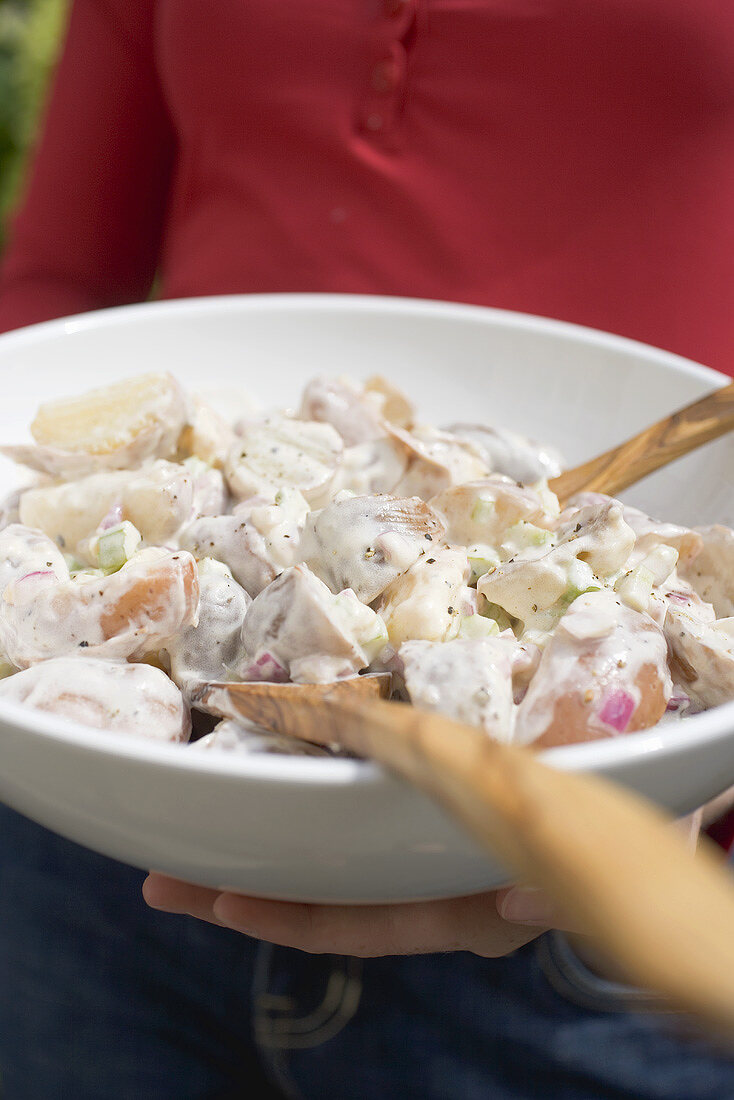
(343, 830)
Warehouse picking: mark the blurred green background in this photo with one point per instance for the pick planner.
(30, 32)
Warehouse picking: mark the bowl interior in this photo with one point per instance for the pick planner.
(572, 387)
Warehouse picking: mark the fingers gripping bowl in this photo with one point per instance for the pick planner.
(314, 827)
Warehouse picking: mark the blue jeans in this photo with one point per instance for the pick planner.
(103, 999)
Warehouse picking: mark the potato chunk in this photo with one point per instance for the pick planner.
(297, 628)
(603, 673)
(108, 695)
(365, 542)
(125, 423)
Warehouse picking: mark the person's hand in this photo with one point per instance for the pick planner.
(490, 924)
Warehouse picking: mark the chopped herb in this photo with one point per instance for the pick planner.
(430, 561)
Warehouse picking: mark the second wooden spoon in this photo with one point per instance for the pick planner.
(670, 438)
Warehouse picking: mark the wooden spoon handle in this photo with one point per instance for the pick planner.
(652, 448)
(609, 860)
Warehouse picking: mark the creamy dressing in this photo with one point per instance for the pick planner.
(364, 543)
(284, 452)
(347, 539)
(506, 452)
(468, 680)
(134, 699)
(603, 672)
(427, 601)
(209, 649)
(298, 629)
(245, 739)
(711, 572)
(45, 613)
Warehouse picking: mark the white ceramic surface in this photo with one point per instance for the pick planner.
(341, 830)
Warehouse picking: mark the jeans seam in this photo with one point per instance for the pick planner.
(571, 979)
(273, 1060)
(278, 1029)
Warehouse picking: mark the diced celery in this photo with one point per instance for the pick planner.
(572, 593)
(481, 560)
(483, 511)
(498, 614)
(477, 626)
(376, 642)
(635, 588)
(112, 548)
(523, 534)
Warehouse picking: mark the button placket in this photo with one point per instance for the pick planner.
(400, 13)
(381, 108)
(383, 101)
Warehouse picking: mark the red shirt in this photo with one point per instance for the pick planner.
(573, 158)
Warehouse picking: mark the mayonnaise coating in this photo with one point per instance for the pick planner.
(134, 699)
(711, 571)
(211, 647)
(245, 740)
(45, 613)
(603, 672)
(349, 538)
(365, 542)
(466, 679)
(298, 629)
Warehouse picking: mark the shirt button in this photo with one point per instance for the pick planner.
(384, 76)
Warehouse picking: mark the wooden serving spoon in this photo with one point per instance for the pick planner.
(672, 437)
(610, 861)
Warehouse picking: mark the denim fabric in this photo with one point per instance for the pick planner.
(103, 999)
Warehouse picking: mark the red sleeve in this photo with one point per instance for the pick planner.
(88, 231)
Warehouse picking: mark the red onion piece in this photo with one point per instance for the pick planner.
(617, 710)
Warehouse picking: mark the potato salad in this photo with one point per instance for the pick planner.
(159, 548)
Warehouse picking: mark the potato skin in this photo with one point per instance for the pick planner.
(151, 596)
(601, 648)
(571, 714)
